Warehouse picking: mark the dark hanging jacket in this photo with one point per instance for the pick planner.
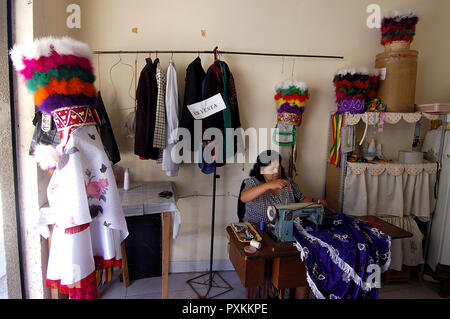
(219, 79)
(146, 95)
(106, 132)
(193, 93)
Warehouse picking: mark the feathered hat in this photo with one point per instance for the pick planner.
(291, 97)
(351, 84)
(399, 25)
(58, 71)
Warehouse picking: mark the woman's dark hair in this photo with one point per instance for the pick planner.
(264, 159)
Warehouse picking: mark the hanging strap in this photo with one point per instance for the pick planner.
(293, 133)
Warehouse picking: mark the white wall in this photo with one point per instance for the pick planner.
(324, 27)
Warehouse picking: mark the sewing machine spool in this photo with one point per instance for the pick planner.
(271, 213)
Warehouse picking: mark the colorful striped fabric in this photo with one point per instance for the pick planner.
(335, 151)
(53, 61)
(72, 87)
(41, 79)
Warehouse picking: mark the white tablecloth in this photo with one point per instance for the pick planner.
(141, 199)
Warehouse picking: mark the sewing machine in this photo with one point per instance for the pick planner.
(282, 218)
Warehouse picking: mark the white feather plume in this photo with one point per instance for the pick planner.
(400, 14)
(44, 46)
(46, 156)
(352, 71)
(288, 83)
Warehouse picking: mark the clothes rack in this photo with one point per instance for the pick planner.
(221, 52)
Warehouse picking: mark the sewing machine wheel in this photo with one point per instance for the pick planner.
(271, 213)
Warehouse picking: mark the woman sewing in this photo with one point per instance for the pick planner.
(266, 186)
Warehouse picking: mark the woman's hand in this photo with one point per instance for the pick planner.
(277, 184)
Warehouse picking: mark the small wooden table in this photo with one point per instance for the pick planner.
(391, 230)
(281, 259)
(143, 199)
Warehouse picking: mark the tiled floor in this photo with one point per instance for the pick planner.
(150, 288)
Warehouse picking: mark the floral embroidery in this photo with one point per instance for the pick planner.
(306, 251)
(96, 189)
(340, 237)
(361, 246)
(94, 210)
(376, 232)
(385, 256)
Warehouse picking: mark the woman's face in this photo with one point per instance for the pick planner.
(272, 171)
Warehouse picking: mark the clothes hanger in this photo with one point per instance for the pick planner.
(129, 124)
(112, 81)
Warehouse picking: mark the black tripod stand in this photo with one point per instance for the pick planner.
(211, 279)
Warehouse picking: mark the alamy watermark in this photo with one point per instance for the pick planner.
(74, 18)
(374, 19)
(214, 145)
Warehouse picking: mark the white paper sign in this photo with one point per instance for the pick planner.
(207, 107)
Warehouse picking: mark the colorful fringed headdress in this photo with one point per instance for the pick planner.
(351, 87)
(374, 83)
(399, 25)
(291, 97)
(58, 71)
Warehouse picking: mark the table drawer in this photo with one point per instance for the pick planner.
(288, 272)
(250, 271)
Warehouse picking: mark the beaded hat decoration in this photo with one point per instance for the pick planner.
(399, 25)
(58, 71)
(290, 97)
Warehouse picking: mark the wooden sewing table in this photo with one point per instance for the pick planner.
(281, 260)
